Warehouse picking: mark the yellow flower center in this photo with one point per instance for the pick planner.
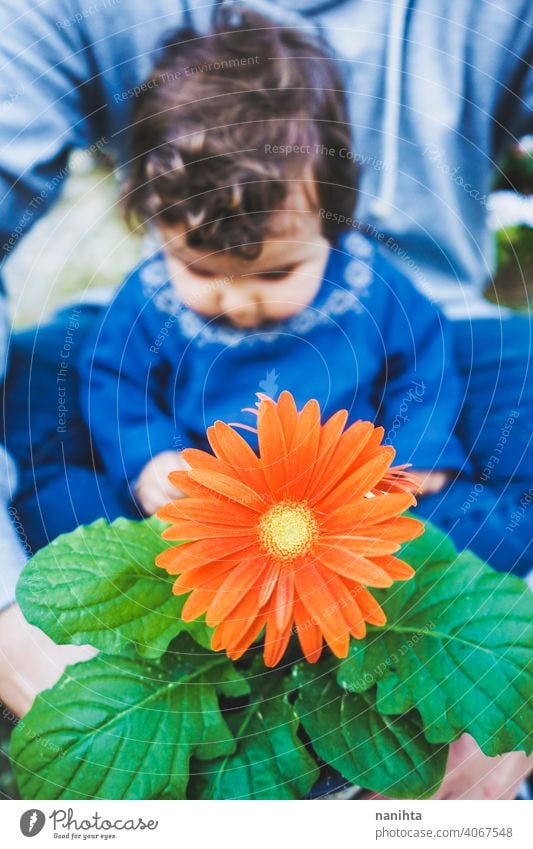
(288, 530)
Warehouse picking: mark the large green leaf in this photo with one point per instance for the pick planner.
(125, 728)
(457, 646)
(389, 755)
(270, 761)
(100, 585)
(433, 546)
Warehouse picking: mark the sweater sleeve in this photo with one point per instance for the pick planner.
(420, 393)
(125, 381)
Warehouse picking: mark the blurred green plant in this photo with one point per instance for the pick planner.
(515, 248)
(516, 170)
(8, 786)
(513, 282)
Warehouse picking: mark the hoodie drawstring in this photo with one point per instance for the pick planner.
(382, 206)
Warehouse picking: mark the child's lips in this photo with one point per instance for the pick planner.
(226, 320)
(245, 325)
(243, 322)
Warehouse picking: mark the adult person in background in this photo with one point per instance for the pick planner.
(450, 88)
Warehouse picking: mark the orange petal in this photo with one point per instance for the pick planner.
(234, 630)
(303, 448)
(184, 530)
(359, 630)
(356, 485)
(202, 461)
(351, 566)
(339, 645)
(269, 582)
(309, 634)
(168, 558)
(371, 447)
(197, 604)
(370, 608)
(398, 479)
(288, 414)
(201, 576)
(232, 489)
(182, 479)
(397, 569)
(272, 447)
(362, 545)
(237, 454)
(203, 551)
(201, 597)
(347, 451)
(321, 604)
(283, 598)
(367, 511)
(237, 584)
(400, 529)
(330, 434)
(346, 601)
(276, 640)
(245, 641)
(212, 512)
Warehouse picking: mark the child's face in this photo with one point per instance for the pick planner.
(279, 283)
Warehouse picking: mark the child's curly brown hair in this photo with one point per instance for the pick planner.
(227, 122)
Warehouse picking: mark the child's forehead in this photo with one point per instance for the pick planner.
(290, 235)
(285, 248)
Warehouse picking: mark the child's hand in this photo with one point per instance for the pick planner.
(153, 489)
(432, 482)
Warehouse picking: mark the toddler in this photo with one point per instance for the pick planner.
(242, 163)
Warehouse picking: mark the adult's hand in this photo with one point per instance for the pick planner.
(472, 775)
(30, 661)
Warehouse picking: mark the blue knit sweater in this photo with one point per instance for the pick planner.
(156, 374)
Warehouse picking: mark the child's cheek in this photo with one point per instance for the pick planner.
(286, 300)
(201, 299)
(192, 294)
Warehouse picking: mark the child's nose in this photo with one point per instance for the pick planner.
(240, 303)
(236, 297)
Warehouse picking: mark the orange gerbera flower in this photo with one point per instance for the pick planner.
(289, 539)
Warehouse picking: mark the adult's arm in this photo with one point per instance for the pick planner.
(68, 80)
(68, 77)
(46, 110)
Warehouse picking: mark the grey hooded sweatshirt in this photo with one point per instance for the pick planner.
(438, 89)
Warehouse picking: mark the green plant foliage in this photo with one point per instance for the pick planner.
(458, 647)
(432, 547)
(121, 727)
(99, 585)
(160, 715)
(389, 755)
(270, 761)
